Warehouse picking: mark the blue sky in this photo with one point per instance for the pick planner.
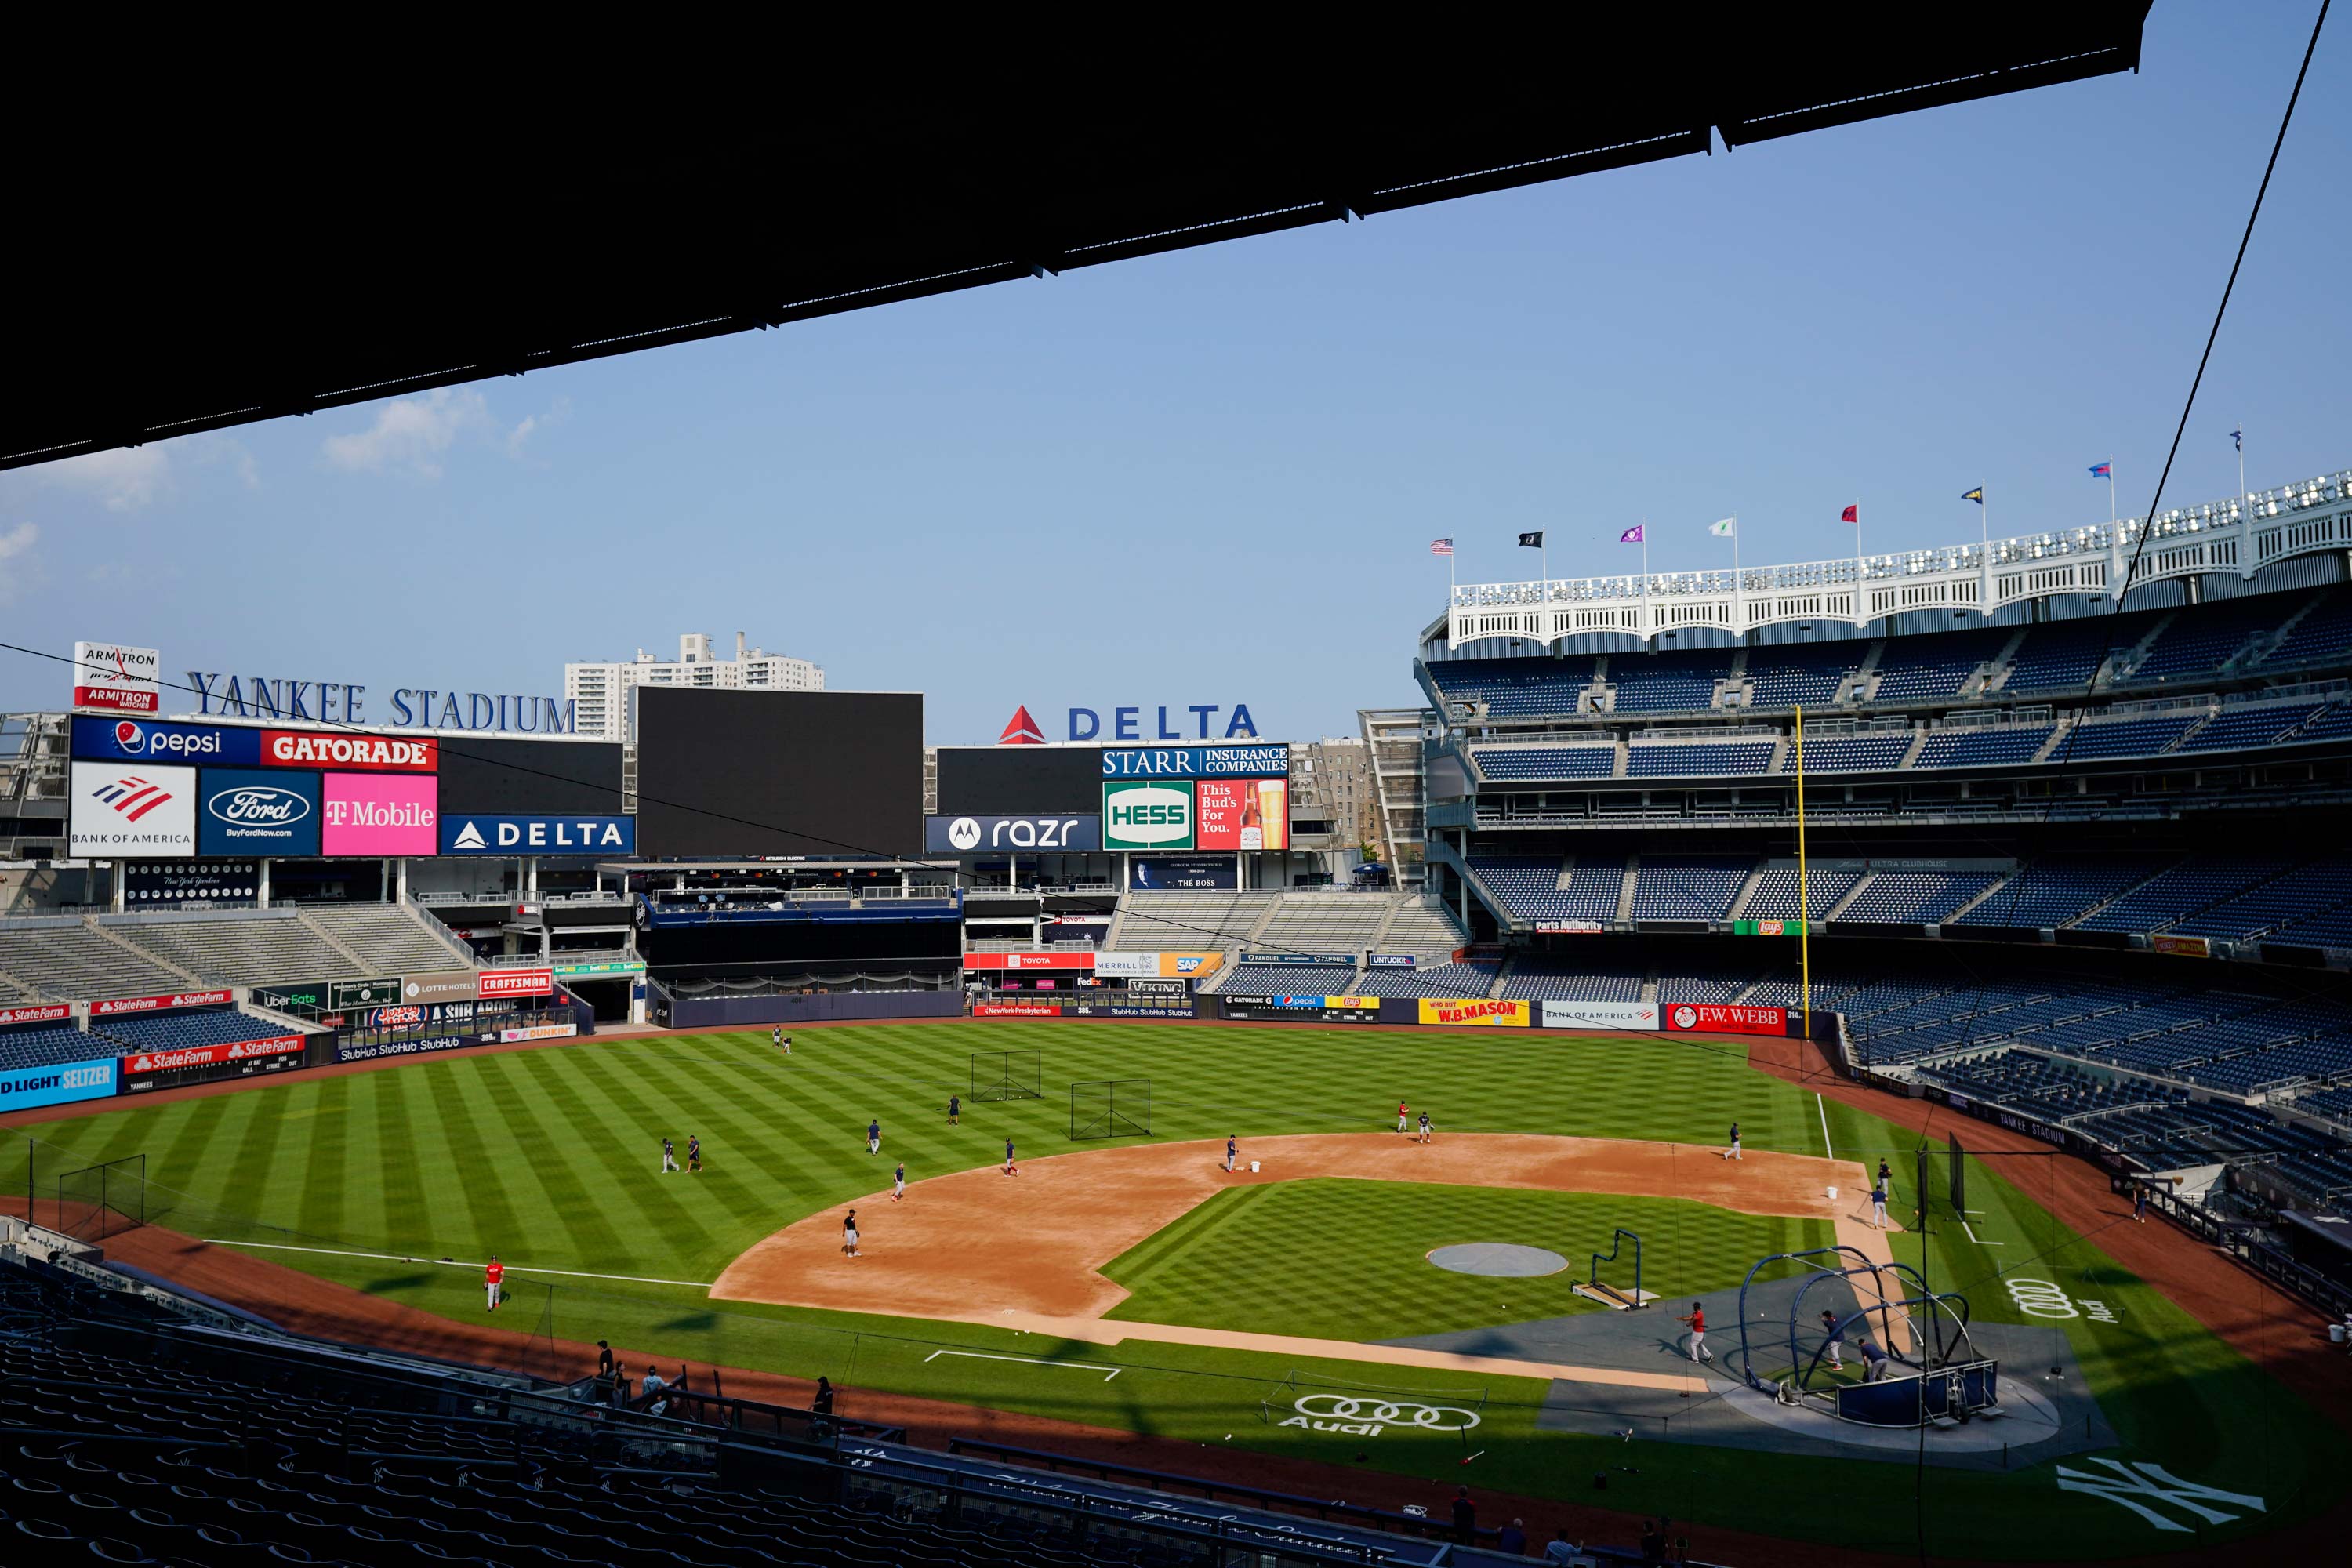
(1213, 477)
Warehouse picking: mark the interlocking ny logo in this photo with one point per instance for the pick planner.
(2132, 1483)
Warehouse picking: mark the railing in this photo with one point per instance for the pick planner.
(2240, 534)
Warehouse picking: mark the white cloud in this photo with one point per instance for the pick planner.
(14, 543)
(410, 433)
(125, 479)
(557, 413)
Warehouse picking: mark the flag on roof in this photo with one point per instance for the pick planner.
(1633, 535)
(2238, 440)
(1728, 529)
(1531, 541)
(2102, 470)
(1852, 515)
(1440, 547)
(1975, 495)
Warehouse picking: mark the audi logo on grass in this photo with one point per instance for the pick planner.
(1356, 1417)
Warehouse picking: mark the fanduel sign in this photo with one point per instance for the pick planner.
(538, 835)
(1126, 723)
(413, 707)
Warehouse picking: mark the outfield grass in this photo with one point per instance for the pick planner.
(1347, 1259)
(548, 1157)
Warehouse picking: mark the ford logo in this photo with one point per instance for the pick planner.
(261, 803)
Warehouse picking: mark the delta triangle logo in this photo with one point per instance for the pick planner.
(468, 837)
(1021, 730)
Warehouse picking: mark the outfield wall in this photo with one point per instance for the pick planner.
(823, 1007)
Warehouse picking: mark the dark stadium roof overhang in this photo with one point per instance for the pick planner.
(322, 262)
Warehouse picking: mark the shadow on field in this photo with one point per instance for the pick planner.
(399, 1281)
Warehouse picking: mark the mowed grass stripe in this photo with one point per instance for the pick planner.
(325, 1182)
(474, 1145)
(545, 1142)
(664, 1223)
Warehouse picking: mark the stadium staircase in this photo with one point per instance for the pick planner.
(1991, 675)
(1748, 887)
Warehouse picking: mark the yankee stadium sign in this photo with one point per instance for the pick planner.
(413, 707)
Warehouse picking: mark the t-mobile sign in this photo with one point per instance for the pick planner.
(379, 813)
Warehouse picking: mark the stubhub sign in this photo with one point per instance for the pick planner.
(539, 835)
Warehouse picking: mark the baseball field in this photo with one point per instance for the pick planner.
(1132, 1283)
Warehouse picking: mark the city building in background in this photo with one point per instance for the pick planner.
(601, 690)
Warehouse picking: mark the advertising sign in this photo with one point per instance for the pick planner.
(121, 1004)
(1242, 814)
(345, 994)
(46, 1012)
(21, 1089)
(123, 809)
(109, 677)
(540, 1032)
(514, 983)
(378, 813)
(354, 1050)
(979, 835)
(364, 753)
(1326, 959)
(1147, 816)
(2182, 946)
(1599, 1015)
(1272, 761)
(1168, 990)
(1390, 961)
(1304, 1009)
(256, 812)
(1182, 873)
(442, 985)
(1569, 928)
(1164, 965)
(1724, 1018)
(606, 966)
(209, 1056)
(1481, 1013)
(981, 961)
(1015, 1010)
(539, 835)
(295, 996)
(146, 741)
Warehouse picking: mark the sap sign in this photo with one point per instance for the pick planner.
(979, 835)
(1144, 816)
(256, 813)
(539, 835)
(1086, 724)
(145, 741)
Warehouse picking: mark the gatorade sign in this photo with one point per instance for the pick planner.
(1141, 813)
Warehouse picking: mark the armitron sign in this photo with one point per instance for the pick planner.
(111, 677)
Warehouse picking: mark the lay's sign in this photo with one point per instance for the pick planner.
(1481, 1013)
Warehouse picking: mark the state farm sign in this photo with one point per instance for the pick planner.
(209, 1056)
(515, 982)
(48, 1013)
(155, 1003)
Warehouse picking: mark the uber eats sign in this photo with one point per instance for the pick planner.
(1147, 813)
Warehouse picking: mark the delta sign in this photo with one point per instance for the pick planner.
(1191, 722)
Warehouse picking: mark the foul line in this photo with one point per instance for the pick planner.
(1824, 1109)
(451, 1263)
(1033, 1361)
(1978, 1239)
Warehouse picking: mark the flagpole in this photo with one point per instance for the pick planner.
(1543, 558)
(1645, 577)
(1738, 585)
(2111, 498)
(2245, 512)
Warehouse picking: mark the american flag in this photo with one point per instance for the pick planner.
(1440, 547)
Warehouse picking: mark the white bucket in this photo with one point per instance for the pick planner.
(1833, 1194)
(2335, 1333)
(1252, 1167)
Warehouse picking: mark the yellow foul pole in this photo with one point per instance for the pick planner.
(1805, 910)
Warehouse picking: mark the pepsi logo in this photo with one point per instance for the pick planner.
(129, 736)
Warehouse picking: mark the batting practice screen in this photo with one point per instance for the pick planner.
(1111, 1108)
(1007, 1075)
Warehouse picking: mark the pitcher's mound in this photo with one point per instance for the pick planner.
(1499, 1259)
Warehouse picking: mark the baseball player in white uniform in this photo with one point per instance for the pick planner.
(669, 1156)
(898, 1181)
(1732, 1153)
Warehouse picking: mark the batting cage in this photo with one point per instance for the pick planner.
(1007, 1075)
(1111, 1108)
(98, 1201)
